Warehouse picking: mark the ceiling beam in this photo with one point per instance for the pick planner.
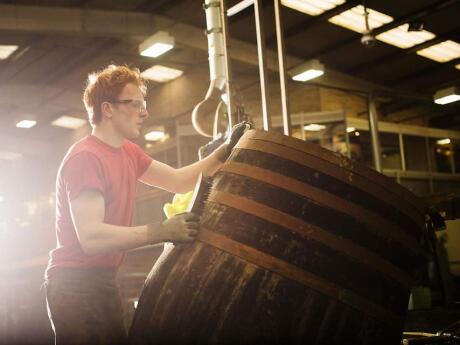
(408, 78)
(80, 21)
(84, 54)
(452, 35)
(138, 26)
(158, 5)
(311, 21)
(429, 10)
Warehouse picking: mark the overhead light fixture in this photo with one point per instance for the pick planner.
(161, 74)
(312, 7)
(155, 133)
(6, 51)
(353, 19)
(9, 156)
(442, 52)
(156, 44)
(445, 141)
(351, 129)
(69, 122)
(401, 37)
(307, 71)
(448, 95)
(26, 123)
(313, 127)
(240, 6)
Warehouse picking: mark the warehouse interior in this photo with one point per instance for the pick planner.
(396, 78)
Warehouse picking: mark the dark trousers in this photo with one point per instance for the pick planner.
(84, 307)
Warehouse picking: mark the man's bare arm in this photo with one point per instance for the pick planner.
(180, 180)
(97, 237)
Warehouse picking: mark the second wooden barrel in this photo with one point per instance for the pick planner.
(297, 245)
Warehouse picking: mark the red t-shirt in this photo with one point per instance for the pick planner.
(93, 164)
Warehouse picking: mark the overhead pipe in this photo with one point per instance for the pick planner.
(205, 112)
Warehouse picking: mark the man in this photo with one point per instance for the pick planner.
(95, 195)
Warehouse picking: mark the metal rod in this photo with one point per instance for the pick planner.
(240, 6)
(401, 152)
(228, 74)
(261, 54)
(374, 131)
(282, 69)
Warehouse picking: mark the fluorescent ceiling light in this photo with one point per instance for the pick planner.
(448, 95)
(69, 122)
(26, 124)
(307, 71)
(351, 129)
(154, 136)
(447, 99)
(156, 44)
(445, 141)
(161, 73)
(312, 7)
(313, 127)
(239, 7)
(308, 75)
(9, 156)
(442, 52)
(6, 51)
(353, 19)
(155, 133)
(402, 38)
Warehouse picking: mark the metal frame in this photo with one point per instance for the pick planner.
(262, 56)
(262, 59)
(282, 68)
(419, 131)
(228, 69)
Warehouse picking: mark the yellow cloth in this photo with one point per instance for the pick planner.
(179, 204)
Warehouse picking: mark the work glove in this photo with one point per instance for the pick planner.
(180, 228)
(237, 132)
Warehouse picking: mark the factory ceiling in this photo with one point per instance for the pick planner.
(59, 42)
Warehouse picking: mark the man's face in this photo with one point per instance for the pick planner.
(128, 112)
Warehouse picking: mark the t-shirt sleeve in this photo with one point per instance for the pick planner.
(143, 161)
(83, 172)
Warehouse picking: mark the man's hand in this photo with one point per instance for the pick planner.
(237, 132)
(182, 227)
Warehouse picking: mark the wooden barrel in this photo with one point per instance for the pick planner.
(297, 245)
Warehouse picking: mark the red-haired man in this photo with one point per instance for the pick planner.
(95, 195)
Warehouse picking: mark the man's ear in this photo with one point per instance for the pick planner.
(106, 109)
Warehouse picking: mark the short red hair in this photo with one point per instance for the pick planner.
(106, 85)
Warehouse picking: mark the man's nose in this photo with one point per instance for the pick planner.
(144, 113)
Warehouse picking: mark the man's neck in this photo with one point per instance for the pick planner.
(108, 136)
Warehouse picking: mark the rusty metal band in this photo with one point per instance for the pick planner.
(300, 276)
(309, 231)
(329, 169)
(378, 225)
(339, 160)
